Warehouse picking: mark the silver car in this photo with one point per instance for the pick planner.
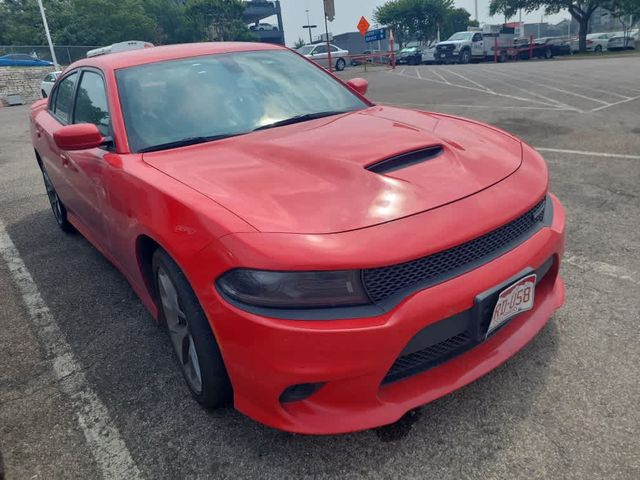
(318, 53)
(48, 82)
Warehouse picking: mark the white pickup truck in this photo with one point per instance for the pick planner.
(462, 47)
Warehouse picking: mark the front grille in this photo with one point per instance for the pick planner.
(442, 48)
(383, 282)
(429, 357)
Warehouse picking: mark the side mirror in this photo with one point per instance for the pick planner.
(360, 85)
(81, 136)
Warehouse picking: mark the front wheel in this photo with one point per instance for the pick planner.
(57, 207)
(193, 342)
(465, 57)
(598, 49)
(548, 54)
(340, 64)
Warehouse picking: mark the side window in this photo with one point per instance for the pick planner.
(64, 98)
(320, 49)
(91, 102)
(334, 49)
(477, 37)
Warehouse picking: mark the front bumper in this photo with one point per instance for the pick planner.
(265, 356)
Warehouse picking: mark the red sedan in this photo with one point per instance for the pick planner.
(325, 263)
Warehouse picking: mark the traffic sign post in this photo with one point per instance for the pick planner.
(329, 14)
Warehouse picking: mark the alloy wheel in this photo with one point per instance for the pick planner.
(178, 328)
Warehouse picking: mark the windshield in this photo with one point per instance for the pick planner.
(222, 95)
(461, 36)
(408, 50)
(305, 50)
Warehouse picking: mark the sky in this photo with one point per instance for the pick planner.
(348, 13)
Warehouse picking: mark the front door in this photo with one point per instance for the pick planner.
(86, 168)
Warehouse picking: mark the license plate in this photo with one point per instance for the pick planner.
(515, 299)
(441, 55)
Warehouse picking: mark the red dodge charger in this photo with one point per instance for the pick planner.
(325, 263)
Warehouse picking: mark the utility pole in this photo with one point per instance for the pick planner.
(46, 31)
(309, 26)
(476, 5)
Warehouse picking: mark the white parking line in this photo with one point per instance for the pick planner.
(103, 439)
(561, 90)
(435, 72)
(481, 90)
(587, 153)
(490, 107)
(469, 80)
(615, 103)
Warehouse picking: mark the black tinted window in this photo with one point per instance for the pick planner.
(91, 103)
(64, 97)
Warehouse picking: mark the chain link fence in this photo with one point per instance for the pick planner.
(66, 54)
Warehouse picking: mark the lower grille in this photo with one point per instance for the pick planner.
(448, 338)
(429, 357)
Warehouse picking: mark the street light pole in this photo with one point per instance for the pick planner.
(46, 31)
(309, 25)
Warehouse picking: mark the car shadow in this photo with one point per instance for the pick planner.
(130, 364)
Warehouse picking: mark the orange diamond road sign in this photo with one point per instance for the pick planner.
(363, 26)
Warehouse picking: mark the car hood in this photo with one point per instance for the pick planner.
(453, 42)
(311, 177)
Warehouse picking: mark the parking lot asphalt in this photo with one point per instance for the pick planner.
(564, 407)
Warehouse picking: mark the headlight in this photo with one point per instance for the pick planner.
(294, 289)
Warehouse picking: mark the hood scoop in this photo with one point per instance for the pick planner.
(405, 160)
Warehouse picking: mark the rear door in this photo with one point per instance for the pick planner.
(58, 114)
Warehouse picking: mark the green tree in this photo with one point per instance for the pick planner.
(580, 10)
(456, 20)
(626, 11)
(102, 22)
(417, 19)
(219, 20)
(299, 43)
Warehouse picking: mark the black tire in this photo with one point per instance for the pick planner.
(57, 207)
(598, 49)
(465, 56)
(340, 64)
(44, 94)
(548, 54)
(215, 388)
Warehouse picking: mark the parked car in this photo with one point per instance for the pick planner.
(429, 55)
(315, 261)
(23, 60)
(47, 83)
(318, 53)
(596, 42)
(621, 42)
(409, 56)
(263, 27)
(557, 45)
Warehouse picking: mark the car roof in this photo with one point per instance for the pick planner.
(131, 58)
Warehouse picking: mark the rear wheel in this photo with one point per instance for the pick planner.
(193, 342)
(44, 94)
(548, 54)
(340, 64)
(598, 49)
(57, 207)
(465, 56)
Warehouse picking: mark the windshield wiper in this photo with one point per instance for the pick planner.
(300, 118)
(186, 142)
